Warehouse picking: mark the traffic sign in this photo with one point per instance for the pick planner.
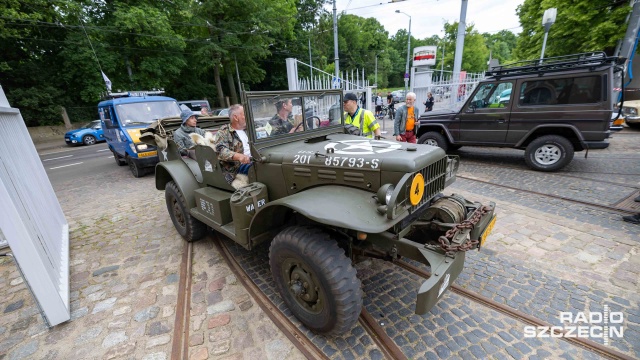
(336, 82)
(406, 75)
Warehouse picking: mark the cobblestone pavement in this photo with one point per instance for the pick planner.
(125, 260)
(543, 257)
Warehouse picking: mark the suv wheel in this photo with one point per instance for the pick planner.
(188, 227)
(315, 279)
(549, 153)
(434, 139)
(89, 140)
(136, 170)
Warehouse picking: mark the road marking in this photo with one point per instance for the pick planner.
(58, 167)
(103, 150)
(61, 157)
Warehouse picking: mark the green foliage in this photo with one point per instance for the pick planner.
(190, 48)
(581, 26)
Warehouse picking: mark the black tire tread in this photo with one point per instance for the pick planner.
(194, 229)
(320, 249)
(441, 140)
(558, 140)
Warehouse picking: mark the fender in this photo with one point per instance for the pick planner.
(357, 210)
(180, 173)
(575, 131)
(424, 128)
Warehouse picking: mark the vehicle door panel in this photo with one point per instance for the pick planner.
(485, 117)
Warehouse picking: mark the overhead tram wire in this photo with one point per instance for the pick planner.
(107, 84)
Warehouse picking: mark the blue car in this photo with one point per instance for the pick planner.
(89, 134)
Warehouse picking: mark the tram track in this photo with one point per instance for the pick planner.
(384, 343)
(566, 175)
(564, 198)
(520, 316)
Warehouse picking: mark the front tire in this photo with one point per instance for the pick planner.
(315, 279)
(434, 139)
(190, 228)
(549, 153)
(89, 140)
(136, 170)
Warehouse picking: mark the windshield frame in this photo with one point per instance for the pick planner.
(286, 138)
(134, 114)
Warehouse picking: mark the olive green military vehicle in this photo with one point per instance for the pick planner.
(322, 198)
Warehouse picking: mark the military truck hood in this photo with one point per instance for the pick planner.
(349, 151)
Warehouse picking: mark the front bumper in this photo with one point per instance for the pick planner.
(149, 161)
(632, 119)
(445, 268)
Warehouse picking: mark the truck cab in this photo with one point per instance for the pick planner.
(123, 115)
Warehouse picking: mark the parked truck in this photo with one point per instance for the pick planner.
(321, 197)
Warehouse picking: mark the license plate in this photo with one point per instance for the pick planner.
(147, 154)
(487, 231)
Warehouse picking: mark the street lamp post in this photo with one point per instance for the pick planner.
(406, 69)
(377, 67)
(548, 19)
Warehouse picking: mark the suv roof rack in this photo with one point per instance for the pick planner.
(589, 61)
(109, 95)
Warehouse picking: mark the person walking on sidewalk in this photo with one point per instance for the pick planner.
(634, 219)
(405, 125)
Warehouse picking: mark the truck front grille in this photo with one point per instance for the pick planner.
(435, 176)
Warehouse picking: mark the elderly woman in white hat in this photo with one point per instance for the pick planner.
(182, 136)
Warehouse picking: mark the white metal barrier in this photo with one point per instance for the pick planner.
(318, 79)
(447, 91)
(31, 218)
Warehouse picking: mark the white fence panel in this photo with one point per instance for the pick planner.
(31, 218)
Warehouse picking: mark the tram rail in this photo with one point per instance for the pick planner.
(564, 198)
(518, 315)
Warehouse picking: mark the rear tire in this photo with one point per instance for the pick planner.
(549, 153)
(120, 161)
(315, 279)
(190, 228)
(434, 139)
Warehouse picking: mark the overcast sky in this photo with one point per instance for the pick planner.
(429, 16)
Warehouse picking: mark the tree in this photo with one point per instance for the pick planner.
(581, 26)
(501, 45)
(475, 53)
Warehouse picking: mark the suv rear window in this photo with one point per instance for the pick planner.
(579, 90)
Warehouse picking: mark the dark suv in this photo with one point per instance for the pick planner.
(549, 109)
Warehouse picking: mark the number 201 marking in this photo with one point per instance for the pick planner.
(301, 159)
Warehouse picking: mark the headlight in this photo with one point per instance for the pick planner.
(384, 193)
(142, 147)
(629, 111)
(133, 148)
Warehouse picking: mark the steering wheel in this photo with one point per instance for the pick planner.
(316, 121)
(295, 129)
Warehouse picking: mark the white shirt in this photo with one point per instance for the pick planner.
(245, 142)
(378, 100)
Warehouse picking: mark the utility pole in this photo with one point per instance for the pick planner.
(462, 28)
(335, 40)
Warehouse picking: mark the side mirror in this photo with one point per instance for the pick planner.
(471, 109)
